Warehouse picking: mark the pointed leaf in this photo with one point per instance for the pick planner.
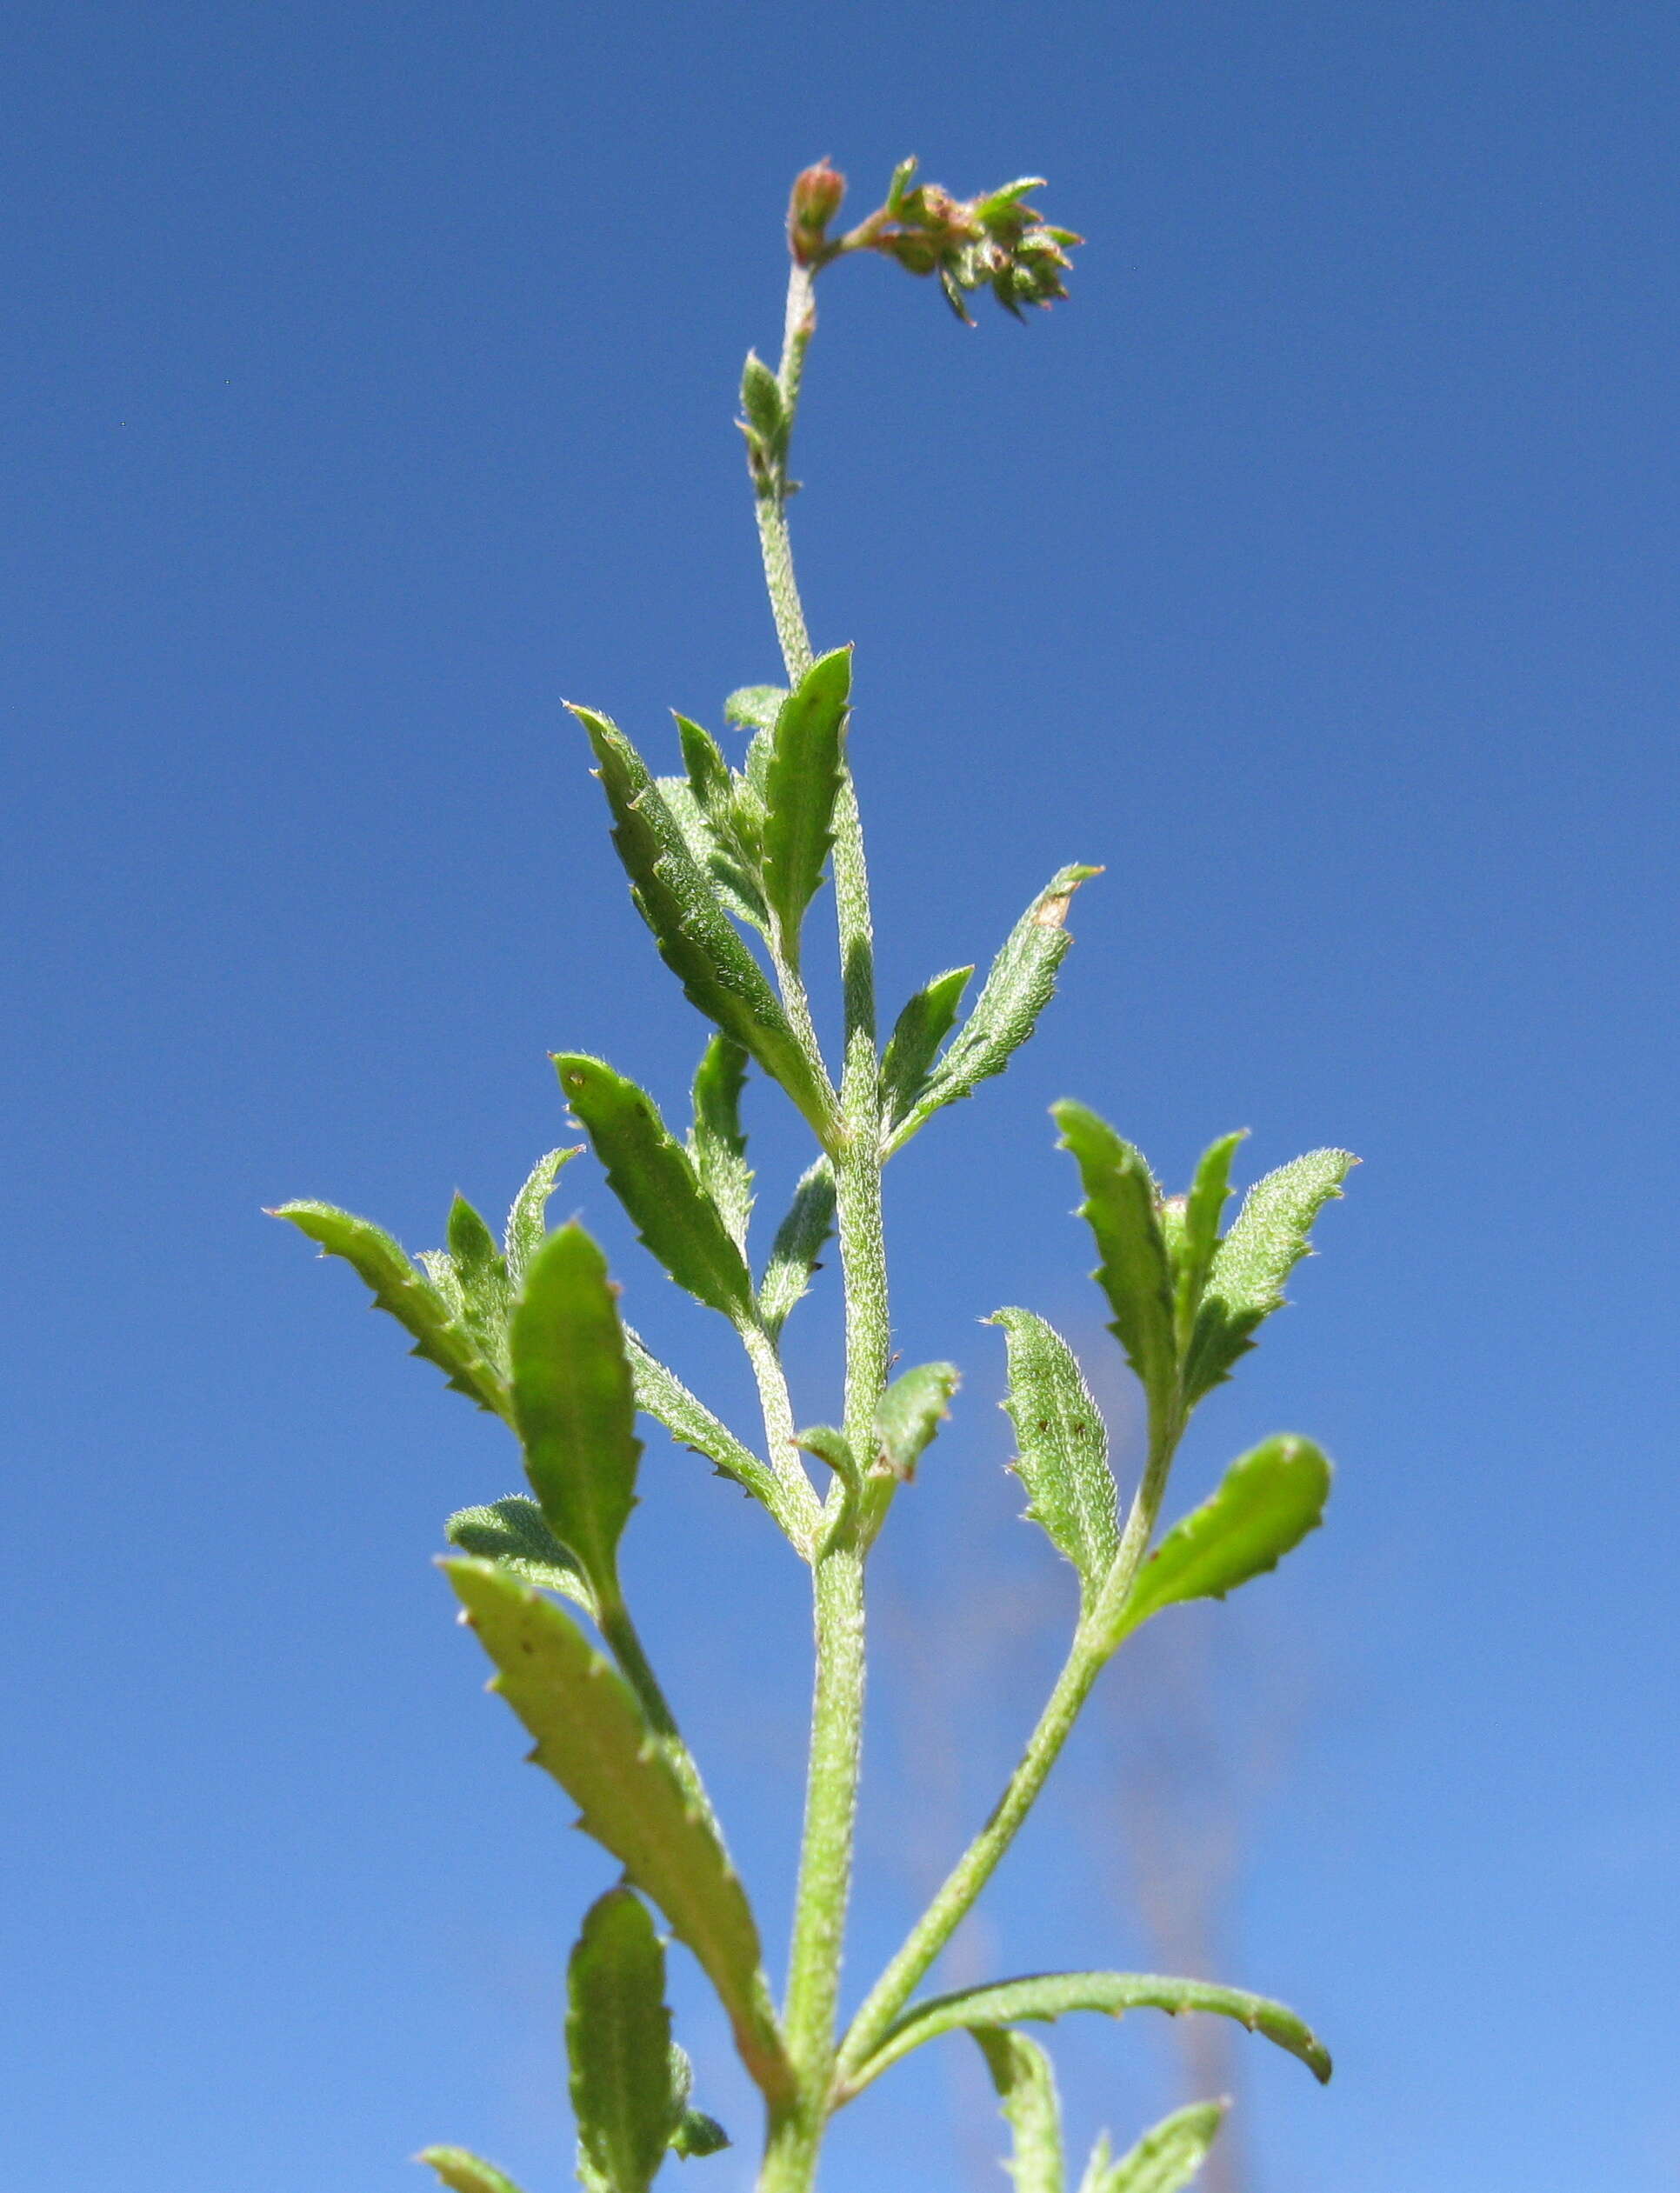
(1203, 1211)
(713, 848)
(909, 1414)
(715, 1141)
(527, 1221)
(1021, 983)
(708, 771)
(1063, 1458)
(1267, 1502)
(592, 1737)
(464, 2173)
(573, 1405)
(807, 763)
(755, 708)
(482, 1271)
(692, 2131)
(651, 1175)
(1245, 1283)
(618, 2043)
(1025, 2085)
(832, 1446)
(1052, 1995)
(799, 1242)
(1167, 2158)
(927, 1019)
(513, 1534)
(761, 400)
(662, 1395)
(1120, 1209)
(440, 1335)
(677, 900)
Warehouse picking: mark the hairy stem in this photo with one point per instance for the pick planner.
(777, 1405)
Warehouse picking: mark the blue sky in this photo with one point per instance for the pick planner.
(369, 373)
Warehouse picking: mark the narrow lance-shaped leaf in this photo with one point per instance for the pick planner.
(514, 1534)
(909, 1414)
(1063, 1449)
(1021, 983)
(755, 708)
(1266, 1504)
(712, 846)
(1120, 1209)
(799, 1242)
(1203, 1211)
(464, 2173)
(1052, 1995)
(660, 1394)
(1166, 2158)
(481, 1272)
(831, 1445)
(593, 1737)
(807, 763)
(573, 1403)
(716, 1143)
(677, 900)
(398, 1287)
(1245, 1283)
(653, 1177)
(618, 2043)
(927, 1019)
(528, 1219)
(708, 771)
(1025, 2086)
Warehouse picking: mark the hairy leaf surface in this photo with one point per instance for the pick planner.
(618, 2043)
(755, 708)
(1245, 1283)
(1120, 1209)
(1063, 1449)
(799, 1243)
(514, 1534)
(909, 1413)
(927, 1019)
(660, 1394)
(1025, 2086)
(1166, 2158)
(655, 1180)
(465, 2173)
(807, 763)
(1204, 1210)
(716, 1143)
(592, 1737)
(528, 1219)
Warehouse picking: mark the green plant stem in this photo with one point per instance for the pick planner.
(625, 1646)
(1090, 1654)
(776, 1404)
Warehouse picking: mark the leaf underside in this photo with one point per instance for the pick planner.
(1063, 1458)
(514, 1534)
(1025, 2085)
(465, 2173)
(1245, 1283)
(662, 1395)
(618, 2043)
(1134, 1273)
(1167, 2157)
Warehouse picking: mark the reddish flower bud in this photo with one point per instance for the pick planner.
(817, 195)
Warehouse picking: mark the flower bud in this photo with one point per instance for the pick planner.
(817, 195)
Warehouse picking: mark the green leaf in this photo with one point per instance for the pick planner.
(799, 1242)
(807, 764)
(692, 2131)
(573, 1404)
(481, 1272)
(618, 2043)
(662, 1395)
(1051, 1994)
(593, 1737)
(1120, 1209)
(1063, 1458)
(708, 772)
(1166, 2159)
(528, 1220)
(651, 1175)
(1266, 1504)
(513, 1534)
(717, 1143)
(1203, 1211)
(927, 1019)
(1245, 1283)
(1021, 983)
(909, 1414)
(832, 1446)
(712, 846)
(400, 1288)
(464, 2173)
(761, 400)
(755, 708)
(678, 903)
(1025, 2085)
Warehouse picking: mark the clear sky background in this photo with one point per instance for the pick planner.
(368, 379)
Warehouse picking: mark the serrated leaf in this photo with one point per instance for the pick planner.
(807, 764)
(593, 1737)
(716, 1143)
(677, 900)
(909, 1414)
(1198, 1240)
(573, 1404)
(927, 1019)
(400, 1288)
(1063, 1449)
(481, 1272)
(652, 1177)
(464, 2173)
(514, 1534)
(1266, 1504)
(528, 1220)
(1167, 2157)
(755, 708)
(618, 2043)
(1052, 1995)
(1245, 1283)
(715, 853)
(660, 1394)
(799, 1243)
(1025, 2086)
(1120, 1209)
(1020, 984)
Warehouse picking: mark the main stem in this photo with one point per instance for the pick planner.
(825, 1862)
